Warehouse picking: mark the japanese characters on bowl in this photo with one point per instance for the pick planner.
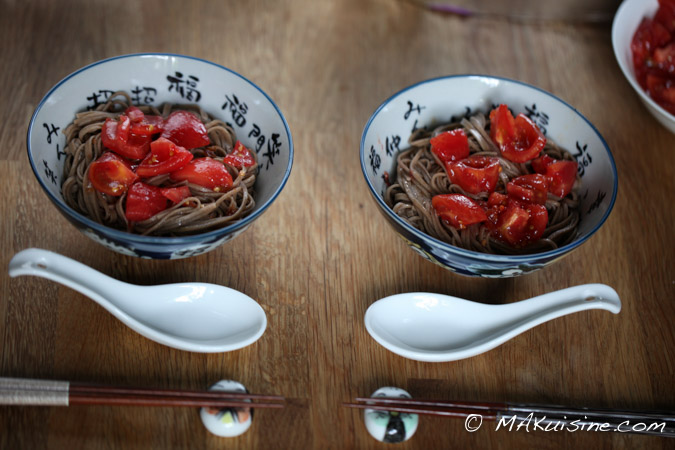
(156, 79)
(449, 99)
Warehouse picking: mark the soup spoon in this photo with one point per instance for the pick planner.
(198, 317)
(437, 328)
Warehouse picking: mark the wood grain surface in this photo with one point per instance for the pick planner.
(323, 253)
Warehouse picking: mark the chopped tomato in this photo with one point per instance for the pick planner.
(185, 129)
(519, 139)
(116, 136)
(475, 174)
(458, 210)
(206, 172)
(176, 194)
(143, 125)
(450, 145)
(518, 224)
(502, 126)
(144, 201)
(240, 157)
(497, 199)
(532, 188)
(665, 15)
(111, 174)
(134, 113)
(561, 174)
(164, 157)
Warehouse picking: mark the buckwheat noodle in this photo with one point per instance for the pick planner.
(419, 177)
(204, 210)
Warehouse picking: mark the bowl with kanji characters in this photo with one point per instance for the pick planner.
(487, 176)
(159, 156)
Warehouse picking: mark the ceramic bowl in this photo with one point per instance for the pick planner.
(156, 79)
(435, 101)
(626, 21)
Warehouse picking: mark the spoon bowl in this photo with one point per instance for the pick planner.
(438, 328)
(198, 317)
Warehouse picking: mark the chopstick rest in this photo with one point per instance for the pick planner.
(390, 426)
(228, 421)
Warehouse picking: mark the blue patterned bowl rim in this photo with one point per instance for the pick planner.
(124, 236)
(469, 253)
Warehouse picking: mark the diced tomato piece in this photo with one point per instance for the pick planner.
(164, 157)
(116, 136)
(502, 126)
(650, 35)
(185, 129)
(450, 146)
(665, 15)
(540, 164)
(111, 174)
(532, 188)
(561, 176)
(144, 201)
(176, 194)
(475, 174)
(458, 210)
(519, 139)
(664, 58)
(206, 172)
(497, 199)
(134, 113)
(518, 224)
(240, 157)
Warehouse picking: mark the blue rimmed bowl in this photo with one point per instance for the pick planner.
(436, 101)
(154, 79)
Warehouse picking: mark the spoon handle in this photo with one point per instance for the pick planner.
(66, 271)
(537, 310)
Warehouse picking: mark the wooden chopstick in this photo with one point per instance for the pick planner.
(655, 422)
(17, 391)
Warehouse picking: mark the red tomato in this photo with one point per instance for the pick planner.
(519, 139)
(176, 194)
(458, 210)
(116, 136)
(206, 172)
(450, 145)
(561, 174)
(497, 199)
(475, 174)
(134, 114)
(540, 164)
(144, 201)
(531, 188)
(502, 125)
(666, 14)
(185, 129)
(240, 157)
(164, 157)
(518, 224)
(111, 174)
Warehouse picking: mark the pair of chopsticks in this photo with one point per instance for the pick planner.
(509, 416)
(20, 391)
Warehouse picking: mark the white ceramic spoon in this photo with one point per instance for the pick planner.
(198, 317)
(437, 328)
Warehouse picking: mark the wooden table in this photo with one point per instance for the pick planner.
(323, 253)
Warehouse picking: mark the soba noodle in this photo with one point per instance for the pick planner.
(419, 177)
(204, 210)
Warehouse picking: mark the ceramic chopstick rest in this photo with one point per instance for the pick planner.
(390, 426)
(227, 422)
